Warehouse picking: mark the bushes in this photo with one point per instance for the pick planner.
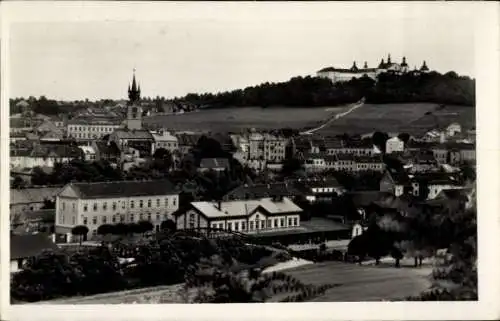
(163, 261)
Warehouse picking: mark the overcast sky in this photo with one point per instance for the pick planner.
(222, 50)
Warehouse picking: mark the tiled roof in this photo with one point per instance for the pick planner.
(106, 148)
(455, 194)
(24, 246)
(437, 178)
(133, 134)
(368, 159)
(165, 137)
(83, 120)
(188, 139)
(365, 143)
(246, 207)
(33, 195)
(258, 191)
(212, 163)
(326, 182)
(123, 189)
(48, 150)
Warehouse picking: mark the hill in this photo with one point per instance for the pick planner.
(432, 87)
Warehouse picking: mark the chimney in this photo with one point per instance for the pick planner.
(219, 205)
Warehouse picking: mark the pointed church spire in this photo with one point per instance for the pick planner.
(134, 93)
(365, 65)
(388, 58)
(403, 63)
(382, 63)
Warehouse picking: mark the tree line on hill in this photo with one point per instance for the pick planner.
(432, 87)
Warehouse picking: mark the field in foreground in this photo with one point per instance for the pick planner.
(412, 118)
(364, 283)
(357, 283)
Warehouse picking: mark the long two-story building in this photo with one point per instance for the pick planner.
(95, 204)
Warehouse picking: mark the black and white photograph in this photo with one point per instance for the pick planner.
(176, 154)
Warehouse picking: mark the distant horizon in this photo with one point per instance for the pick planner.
(177, 97)
(226, 48)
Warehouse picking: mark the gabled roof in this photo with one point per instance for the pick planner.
(455, 194)
(24, 246)
(123, 133)
(258, 191)
(33, 195)
(245, 207)
(122, 189)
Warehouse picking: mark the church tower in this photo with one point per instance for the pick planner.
(134, 109)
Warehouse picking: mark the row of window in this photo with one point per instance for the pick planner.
(121, 218)
(254, 225)
(92, 129)
(132, 204)
(84, 135)
(355, 151)
(167, 144)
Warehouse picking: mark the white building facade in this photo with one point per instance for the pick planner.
(95, 204)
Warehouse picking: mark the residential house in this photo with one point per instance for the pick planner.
(45, 155)
(258, 191)
(106, 150)
(30, 199)
(214, 164)
(94, 204)
(369, 163)
(435, 183)
(245, 216)
(358, 147)
(341, 162)
(23, 247)
(166, 140)
(139, 139)
(394, 144)
(319, 189)
(186, 142)
(38, 221)
(453, 129)
(274, 148)
(89, 153)
(256, 146)
(395, 182)
(91, 128)
(315, 162)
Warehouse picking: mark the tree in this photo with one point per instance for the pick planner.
(168, 225)
(145, 226)
(39, 177)
(105, 229)
(162, 159)
(379, 139)
(80, 231)
(120, 229)
(405, 137)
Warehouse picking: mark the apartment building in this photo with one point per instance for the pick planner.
(95, 204)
